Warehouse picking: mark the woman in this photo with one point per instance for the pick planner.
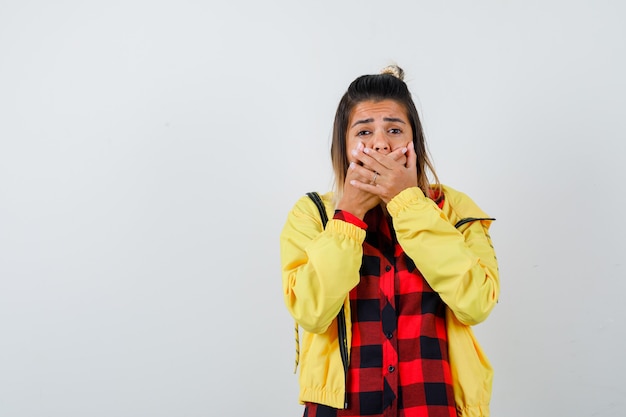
(387, 290)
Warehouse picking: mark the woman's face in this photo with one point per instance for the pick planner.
(379, 125)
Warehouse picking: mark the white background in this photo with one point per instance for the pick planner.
(150, 152)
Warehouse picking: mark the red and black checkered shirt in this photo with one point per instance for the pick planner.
(399, 357)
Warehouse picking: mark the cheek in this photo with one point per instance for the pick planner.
(352, 158)
(351, 144)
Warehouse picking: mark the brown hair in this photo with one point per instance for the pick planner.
(388, 85)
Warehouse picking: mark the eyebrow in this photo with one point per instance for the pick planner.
(385, 119)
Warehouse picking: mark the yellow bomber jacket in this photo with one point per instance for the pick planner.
(320, 267)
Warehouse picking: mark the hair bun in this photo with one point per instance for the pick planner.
(394, 70)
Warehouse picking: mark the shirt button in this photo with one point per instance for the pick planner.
(387, 268)
(391, 368)
(389, 335)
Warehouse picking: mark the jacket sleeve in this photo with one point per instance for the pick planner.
(459, 264)
(319, 267)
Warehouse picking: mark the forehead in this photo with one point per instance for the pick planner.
(377, 109)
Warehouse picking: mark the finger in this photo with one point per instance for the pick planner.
(392, 160)
(411, 156)
(372, 189)
(375, 160)
(398, 154)
(359, 155)
(360, 173)
(364, 160)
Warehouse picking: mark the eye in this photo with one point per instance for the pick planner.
(395, 131)
(363, 132)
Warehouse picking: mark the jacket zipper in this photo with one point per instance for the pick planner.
(343, 350)
(341, 317)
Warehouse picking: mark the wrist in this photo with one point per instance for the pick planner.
(348, 217)
(353, 210)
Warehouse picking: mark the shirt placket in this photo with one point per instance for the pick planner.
(389, 337)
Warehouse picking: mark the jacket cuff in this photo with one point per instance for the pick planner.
(404, 199)
(348, 229)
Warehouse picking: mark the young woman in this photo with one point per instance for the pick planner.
(387, 290)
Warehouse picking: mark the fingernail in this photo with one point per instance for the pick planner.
(366, 150)
(352, 165)
(354, 152)
(404, 150)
